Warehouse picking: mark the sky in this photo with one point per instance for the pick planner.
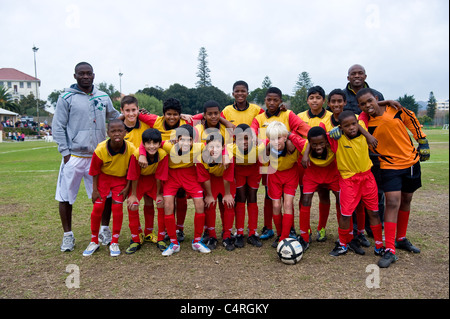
(403, 44)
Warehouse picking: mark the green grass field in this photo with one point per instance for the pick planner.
(31, 265)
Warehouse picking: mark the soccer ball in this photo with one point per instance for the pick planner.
(290, 251)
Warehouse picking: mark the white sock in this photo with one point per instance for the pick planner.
(69, 233)
(103, 228)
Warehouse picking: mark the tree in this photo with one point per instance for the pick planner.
(203, 70)
(259, 94)
(409, 102)
(156, 91)
(7, 102)
(431, 106)
(150, 103)
(181, 93)
(110, 90)
(27, 106)
(303, 81)
(203, 94)
(298, 101)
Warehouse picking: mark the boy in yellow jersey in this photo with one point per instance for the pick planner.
(356, 182)
(213, 124)
(109, 170)
(399, 166)
(147, 183)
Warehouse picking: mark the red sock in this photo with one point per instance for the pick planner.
(161, 224)
(181, 212)
(277, 220)
(402, 224)
(360, 218)
(171, 228)
(343, 236)
(389, 235)
(377, 231)
(117, 215)
(210, 220)
(222, 211)
(324, 211)
(228, 219)
(96, 219)
(305, 216)
(268, 211)
(240, 217)
(199, 222)
(252, 209)
(286, 225)
(149, 216)
(134, 224)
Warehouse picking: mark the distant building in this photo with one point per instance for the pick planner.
(19, 84)
(442, 105)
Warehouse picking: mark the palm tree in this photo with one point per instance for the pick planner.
(6, 101)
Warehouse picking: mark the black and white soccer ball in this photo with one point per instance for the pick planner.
(290, 251)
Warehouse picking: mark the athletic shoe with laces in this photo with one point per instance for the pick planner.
(173, 248)
(114, 250)
(321, 235)
(292, 233)
(387, 259)
(339, 250)
(228, 243)
(90, 249)
(253, 240)
(162, 245)
(275, 242)
(151, 238)
(212, 243)
(68, 243)
(205, 236)
(363, 240)
(355, 246)
(239, 241)
(134, 247)
(305, 245)
(405, 244)
(380, 251)
(180, 235)
(266, 233)
(105, 237)
(201, 247)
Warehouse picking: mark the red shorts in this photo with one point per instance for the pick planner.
(316, 177)
(111, 184)
(146, 186)
(361, 186)
(217, 186)
(185, 178)
(301, 172)
(282, 182)
(247, 174)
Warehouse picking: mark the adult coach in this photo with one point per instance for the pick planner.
(78, 126)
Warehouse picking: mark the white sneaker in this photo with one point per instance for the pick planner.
(114, 250)
(105, 237)
(201, 247)
(91, 248)
(171, 249)
(68, 243)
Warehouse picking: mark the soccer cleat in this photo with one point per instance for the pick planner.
(105, 237)
(151, 238)
(321, 235)
(228, 244)
(275, 242)
(114, 250)
(212, 243)
(292, 233)
(173, 248)
(266, 233)
(388, 258)
(380, 251)
(239, 241)
(180, 235)
(90, 249)
(201, 247)
(363, 240)
(305, 245)
(253, 240)
(162, 245)
(134, 247)
(355, 246)
(405, 244)
(205, 237)
(68, 243)
(339, 250)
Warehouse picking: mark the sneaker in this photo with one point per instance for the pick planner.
(305, 245)
(90, 249)
(180, 235)
(388, 258)
(239, 241)
(355, 246)
(205, 236)
(253, 240)
(173, 248)
(339, 250)
(201, 247)
(162, 245)
(151, 238)
(405, 244)
(266, 233)
(114, 250)
(68, 243)
(212, 243)
(228, 244)
(363, 240)
(292, 233)
(134, 247)
(321, 235)
(380, 251)
(105, 237)
(275, 242)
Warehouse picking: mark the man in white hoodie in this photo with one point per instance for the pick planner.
(79, 124)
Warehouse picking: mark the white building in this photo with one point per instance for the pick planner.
(19, 84)
(442, 105)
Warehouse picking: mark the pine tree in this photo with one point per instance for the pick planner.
(431, 106)
(203, 70)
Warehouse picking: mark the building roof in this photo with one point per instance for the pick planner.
(10, 74)
(6, 112)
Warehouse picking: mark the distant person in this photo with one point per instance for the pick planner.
(78, 126)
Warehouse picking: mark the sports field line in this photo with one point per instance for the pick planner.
(28, 149)
(32, 171)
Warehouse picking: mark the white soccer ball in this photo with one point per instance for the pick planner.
(290, 251)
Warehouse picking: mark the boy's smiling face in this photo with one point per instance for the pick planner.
(152, 147)
(315, 102)
(240, 94)
(279, 142)
(131, 112)
(185, 143)
(336, 104)
(369, 104)
(212, 116)
(242, 141)
(215, 148)
(318, 144)
(171, 117)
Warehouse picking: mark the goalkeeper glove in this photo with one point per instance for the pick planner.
(335, 133)
(424, 149)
